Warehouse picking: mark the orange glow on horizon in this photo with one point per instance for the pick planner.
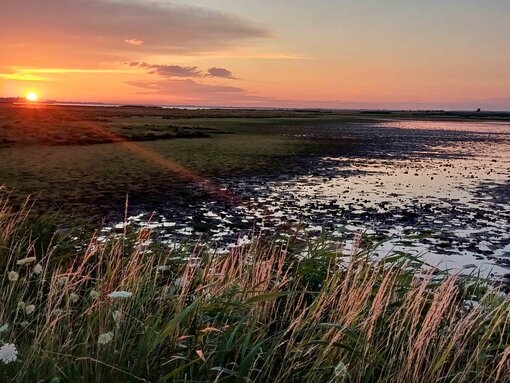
(355, 56)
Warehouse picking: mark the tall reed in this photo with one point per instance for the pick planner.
(126, 309)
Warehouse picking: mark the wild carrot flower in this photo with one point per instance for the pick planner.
(105, 338)
(8, 353)
(117, 316)
(29, 309)
(341, 371)
(94, 294)
(120, 294)
(57, 312)
(38, 269)
(25, 261)
(13, 276)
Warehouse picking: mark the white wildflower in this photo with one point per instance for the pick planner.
(94, 294)
(38, 269)
(117, 316)
(74, 297)
(120, 294)
(4, 328)
(105, 338)
(58, 312)
(13, 276)
(341, 371)
(8, 353)
(29, 309)
(25, 261)
(21, 305)
(62, 280)
(24, 323)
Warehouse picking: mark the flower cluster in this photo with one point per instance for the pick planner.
(13, 276)
(105, 338)
(8, 353)
(120, 294)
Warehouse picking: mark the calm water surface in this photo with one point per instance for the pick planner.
(453, 193)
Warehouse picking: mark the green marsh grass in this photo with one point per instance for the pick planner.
(260, 313)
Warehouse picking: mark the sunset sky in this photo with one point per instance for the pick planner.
(447, 54)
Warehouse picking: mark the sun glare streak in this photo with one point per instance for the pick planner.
(207, 185)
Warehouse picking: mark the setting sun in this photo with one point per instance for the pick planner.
(31, 96)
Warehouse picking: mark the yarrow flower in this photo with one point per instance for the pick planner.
(29, 309)
(8, 353)
(13, 276)
(25, 261)
(38, 269)
(105, 338)
(120, 294)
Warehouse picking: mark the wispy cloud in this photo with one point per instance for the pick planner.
(23, 77)
(169, 70)
(183, 71)
(101, 25)
(183, 83)
(220, 72)
(68, 70)
(134, 41)
(192, 91)
(34, 74)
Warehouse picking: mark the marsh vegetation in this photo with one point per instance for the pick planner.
(125, 309)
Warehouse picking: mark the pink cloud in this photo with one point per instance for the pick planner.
(80, 25)
(134, 41)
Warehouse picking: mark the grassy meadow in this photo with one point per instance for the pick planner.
(92, 157)
(126, 309)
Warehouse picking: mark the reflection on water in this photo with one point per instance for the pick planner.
(458, 195)
(490, 127)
